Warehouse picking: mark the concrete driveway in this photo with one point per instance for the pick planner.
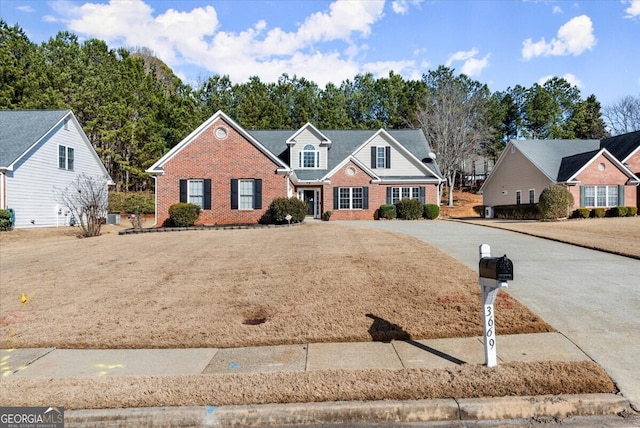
(591, 297)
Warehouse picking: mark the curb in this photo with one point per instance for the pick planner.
(558, 407)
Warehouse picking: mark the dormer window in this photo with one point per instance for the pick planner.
(309, 157)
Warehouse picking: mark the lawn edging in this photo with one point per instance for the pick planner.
(132, 230)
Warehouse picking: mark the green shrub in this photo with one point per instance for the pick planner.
(598, 212)
(632, 211)
(388, 211)
(280, 207)
(184, 214)
(409, 209)
(517, 212)
(131, 202)
(431, 211)
(5, 221)
(582, 213)
(555, 202)
(617, 212)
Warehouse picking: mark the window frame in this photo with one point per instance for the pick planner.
(246, 197)
(600, 196)
(532, 196)
(191, 195)
(66, 157)
(518, 197)
(398, 193)
(351, 198)
(309, 153)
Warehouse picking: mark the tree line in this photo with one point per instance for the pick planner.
(133, 108)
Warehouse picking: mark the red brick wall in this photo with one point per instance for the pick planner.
(377, 194)
(220, 160)
(609, 176)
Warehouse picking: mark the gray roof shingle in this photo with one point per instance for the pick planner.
(343, 144)
(621, 146)
(549, 155)
(20, 129)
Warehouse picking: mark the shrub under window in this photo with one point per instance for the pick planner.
(184, 214)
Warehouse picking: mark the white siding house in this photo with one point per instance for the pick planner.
(41, 151)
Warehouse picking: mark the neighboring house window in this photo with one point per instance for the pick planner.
(309, 157)
(532, 196)
(394, 194)
(246, 194)
(518, 197)
(196, 191)
(380, 157)
(601, 196)
(350, 198)
(65, 157)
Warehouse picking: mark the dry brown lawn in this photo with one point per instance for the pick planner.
(316, 282)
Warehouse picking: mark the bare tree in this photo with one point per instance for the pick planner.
(623, 116)
(452, 116)
(87, 198)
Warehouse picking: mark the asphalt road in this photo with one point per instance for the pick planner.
(591, 297)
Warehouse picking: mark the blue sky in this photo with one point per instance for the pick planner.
(594, 44)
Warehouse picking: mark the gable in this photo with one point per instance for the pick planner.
(624, 146)
(603, 168)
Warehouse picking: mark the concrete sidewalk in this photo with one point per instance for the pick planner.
(395, 355)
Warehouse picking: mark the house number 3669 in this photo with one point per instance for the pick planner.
(488, 314)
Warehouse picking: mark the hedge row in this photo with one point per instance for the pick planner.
(131, 203)
(602, 212)
(408, 209)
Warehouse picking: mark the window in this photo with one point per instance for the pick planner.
(600, 196)
(394, 194)
(309, 157)
(351, 198)
(246, 194)
(65, 157)
(196, 191)
(518, 197)
(532, 196)
(380, 157)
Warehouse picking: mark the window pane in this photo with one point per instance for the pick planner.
(532, 196)
(245, 194)
(309, 156)
(395, 195)
(380, 157)
(612, 196)
(589, 196)
(62, 157)
(601, 196)
(415, 193)
(344, 193)
(518, 197)
(196, 192)
(356, 196)
(406, 192)
(70, 158)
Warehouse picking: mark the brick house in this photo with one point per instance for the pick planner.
(234, 173)
(597, 173)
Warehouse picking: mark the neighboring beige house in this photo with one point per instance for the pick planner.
(588, 168)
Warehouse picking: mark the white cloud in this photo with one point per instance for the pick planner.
(401, 7)
(573, 38)
(472, 66)
(557, 9)
(633, 11)
(569, 77)
(27, 9)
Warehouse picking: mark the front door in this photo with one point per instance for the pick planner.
(309, 197)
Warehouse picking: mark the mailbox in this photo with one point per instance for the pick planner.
(498, 268)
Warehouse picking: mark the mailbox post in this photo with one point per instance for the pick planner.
(494, 272)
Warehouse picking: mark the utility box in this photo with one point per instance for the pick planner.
(113, 218)
(488, 212)
(498, 268)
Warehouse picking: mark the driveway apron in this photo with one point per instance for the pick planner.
(591, 297)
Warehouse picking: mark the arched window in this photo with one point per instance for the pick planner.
(309, 157)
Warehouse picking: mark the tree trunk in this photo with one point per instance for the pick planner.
(451, 183)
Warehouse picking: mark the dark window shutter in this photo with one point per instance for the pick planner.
(387, 157)
(621, 196)
(422, 195)
(183, 190)
(373, 156)
(389, 195)
(257, 194)
(365, 198)
(234, 194)
(207, 194)
(582, 196)
(335, 198)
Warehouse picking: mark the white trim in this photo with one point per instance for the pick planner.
(351, 158)
(313, 130)
(612, 159)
